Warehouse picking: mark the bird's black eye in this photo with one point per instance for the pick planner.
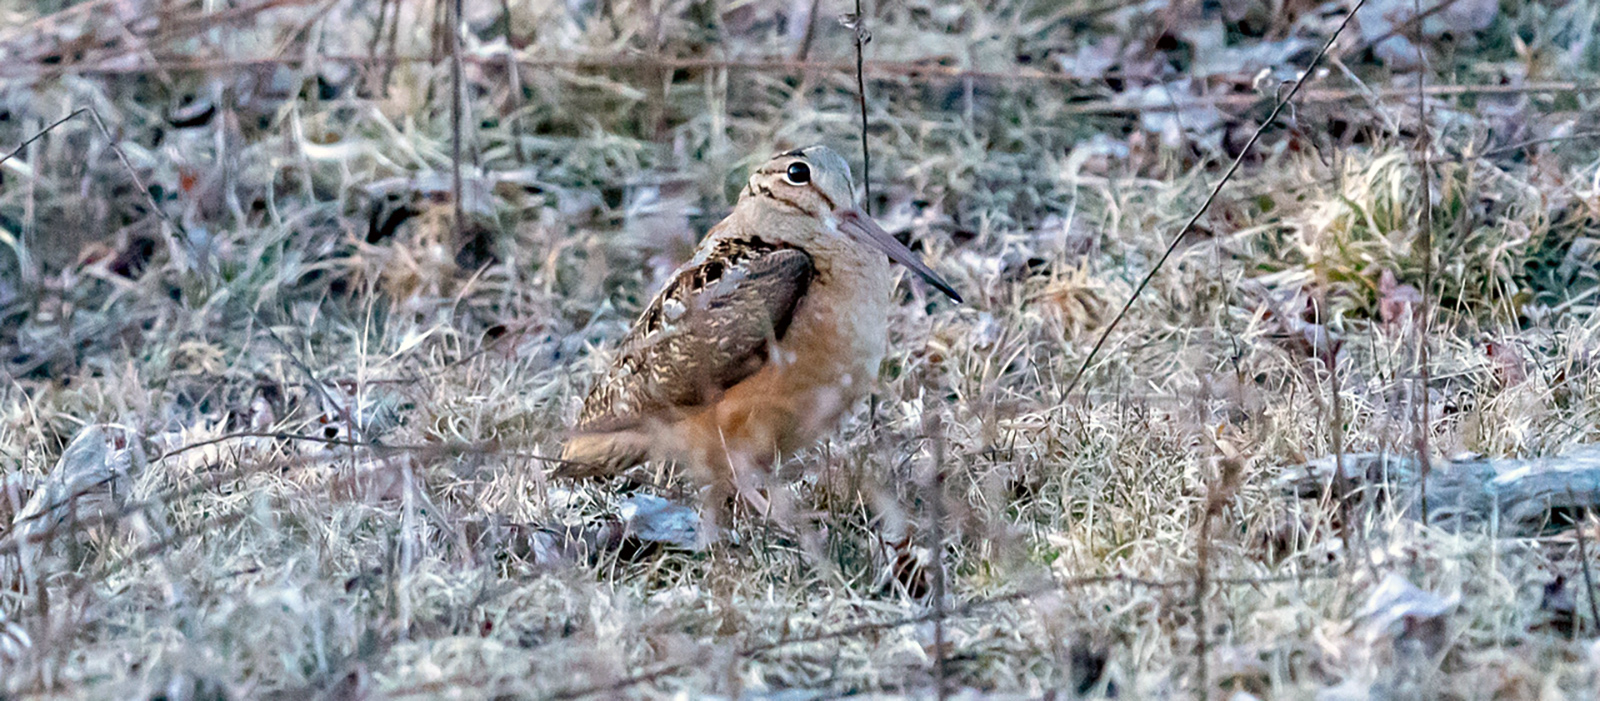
(799, 174)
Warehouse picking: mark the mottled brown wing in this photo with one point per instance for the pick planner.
(706, 331)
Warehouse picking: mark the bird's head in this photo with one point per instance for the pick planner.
(814, 181)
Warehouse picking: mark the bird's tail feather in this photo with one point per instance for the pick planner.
(601, 454)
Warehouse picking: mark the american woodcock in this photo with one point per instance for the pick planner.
(758, 344)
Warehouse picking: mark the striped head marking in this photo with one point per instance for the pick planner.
(813, 180)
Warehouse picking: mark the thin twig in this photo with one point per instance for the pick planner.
(1583, 559)
(312, 381)
(1424, 136)
(1491, 153)
(202, 20)
(514, 87)
(1342, 482)
(1413, 24)
(390, 51)
(1202, 571)
(456, 98)
(811, 30)
(1204, 206)
(54, 19)
(177, 231)
(40, 134)
(935, 486)
(1219, 493)
(137, 181)
(377, 40)
(858, 23)
(442, 448)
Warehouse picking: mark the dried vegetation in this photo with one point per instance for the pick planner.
(274, 420)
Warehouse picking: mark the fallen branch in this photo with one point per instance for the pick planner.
(1518, 498)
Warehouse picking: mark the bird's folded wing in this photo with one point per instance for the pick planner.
(709, 329)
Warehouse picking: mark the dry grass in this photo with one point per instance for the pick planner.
(280, 297)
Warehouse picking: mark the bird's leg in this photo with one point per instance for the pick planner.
(715, 514)
(736, 476)
(713, 468)
(771, 502)
(747, 484)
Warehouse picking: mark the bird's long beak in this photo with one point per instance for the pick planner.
(857, 224)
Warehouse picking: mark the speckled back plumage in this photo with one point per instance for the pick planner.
(708, 329)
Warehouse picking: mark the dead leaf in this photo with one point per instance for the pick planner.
(655, 520)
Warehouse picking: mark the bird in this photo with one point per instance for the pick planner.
(759, 344)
